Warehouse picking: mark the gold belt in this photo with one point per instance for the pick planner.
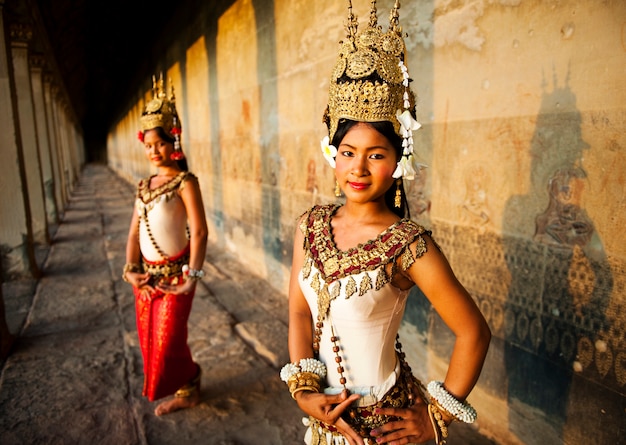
(167, 269)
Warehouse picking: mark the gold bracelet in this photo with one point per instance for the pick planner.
(308, 380)
(439, 425)
(443, 411)
(130, 267)
(303, 388)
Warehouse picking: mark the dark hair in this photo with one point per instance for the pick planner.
(182, 164)
(386, 129)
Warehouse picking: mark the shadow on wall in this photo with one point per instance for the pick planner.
(557, 346)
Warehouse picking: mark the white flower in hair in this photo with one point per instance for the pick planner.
(407, 168)
(329, 151)
(407, 122)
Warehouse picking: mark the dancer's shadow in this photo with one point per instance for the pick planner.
(561, 282)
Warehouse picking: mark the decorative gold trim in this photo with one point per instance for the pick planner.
(333, 264)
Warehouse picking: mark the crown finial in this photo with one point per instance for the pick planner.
(394, 22)
(373, 16)
(161, 87)
(352, 24)
(172, 96)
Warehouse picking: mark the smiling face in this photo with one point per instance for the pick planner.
(158, 150)
(364, 164)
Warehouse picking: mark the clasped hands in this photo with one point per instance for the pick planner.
(143, 282)
(413, 427)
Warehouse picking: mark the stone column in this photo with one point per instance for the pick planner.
(16, 248)
(37, 63)
(60, 147)
(72, 144)
(64, 146)
(20, 35)
(52, 138)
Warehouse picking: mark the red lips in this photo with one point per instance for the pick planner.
(358, 185)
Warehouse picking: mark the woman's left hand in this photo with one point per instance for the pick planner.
(413, 427)
(177, 289)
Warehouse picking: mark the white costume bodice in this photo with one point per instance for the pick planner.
(352, 293)
(366, 326)
(162, 218)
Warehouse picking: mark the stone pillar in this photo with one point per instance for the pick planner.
(72, 144)
(60, 147)
(16, 248)
(52, 138)
(64, 146)
(20, 35)
(41, 120)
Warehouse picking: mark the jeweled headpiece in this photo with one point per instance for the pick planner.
(161, 112)
(370, 83)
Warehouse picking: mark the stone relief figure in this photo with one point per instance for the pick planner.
(566, 225)
(311, 181)
(565, 222)
(475, 209)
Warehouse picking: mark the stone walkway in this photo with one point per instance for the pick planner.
(75, 372)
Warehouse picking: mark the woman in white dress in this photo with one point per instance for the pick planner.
(354, 264)
(164, 256)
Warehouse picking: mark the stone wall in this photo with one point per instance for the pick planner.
(522, 106)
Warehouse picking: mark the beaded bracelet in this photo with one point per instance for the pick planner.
(462, 411)
(192, 274)
(305, 365)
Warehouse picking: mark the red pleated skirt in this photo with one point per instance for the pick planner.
(162, 330)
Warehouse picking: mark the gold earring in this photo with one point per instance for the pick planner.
(397, 201)
(337, 189)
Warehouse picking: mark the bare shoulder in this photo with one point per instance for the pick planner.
(188, 178)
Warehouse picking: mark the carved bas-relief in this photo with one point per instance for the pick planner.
(564, 222)
(475, 208)
(567, 229)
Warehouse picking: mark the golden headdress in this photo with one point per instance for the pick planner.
(370, 82)
(161, 112)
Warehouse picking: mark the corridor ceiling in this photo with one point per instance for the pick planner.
(103, 50)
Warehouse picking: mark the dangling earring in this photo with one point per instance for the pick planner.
(337, 189)
(397, 201)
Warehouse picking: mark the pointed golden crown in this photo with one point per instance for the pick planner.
(161, 110)
(369, 82)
